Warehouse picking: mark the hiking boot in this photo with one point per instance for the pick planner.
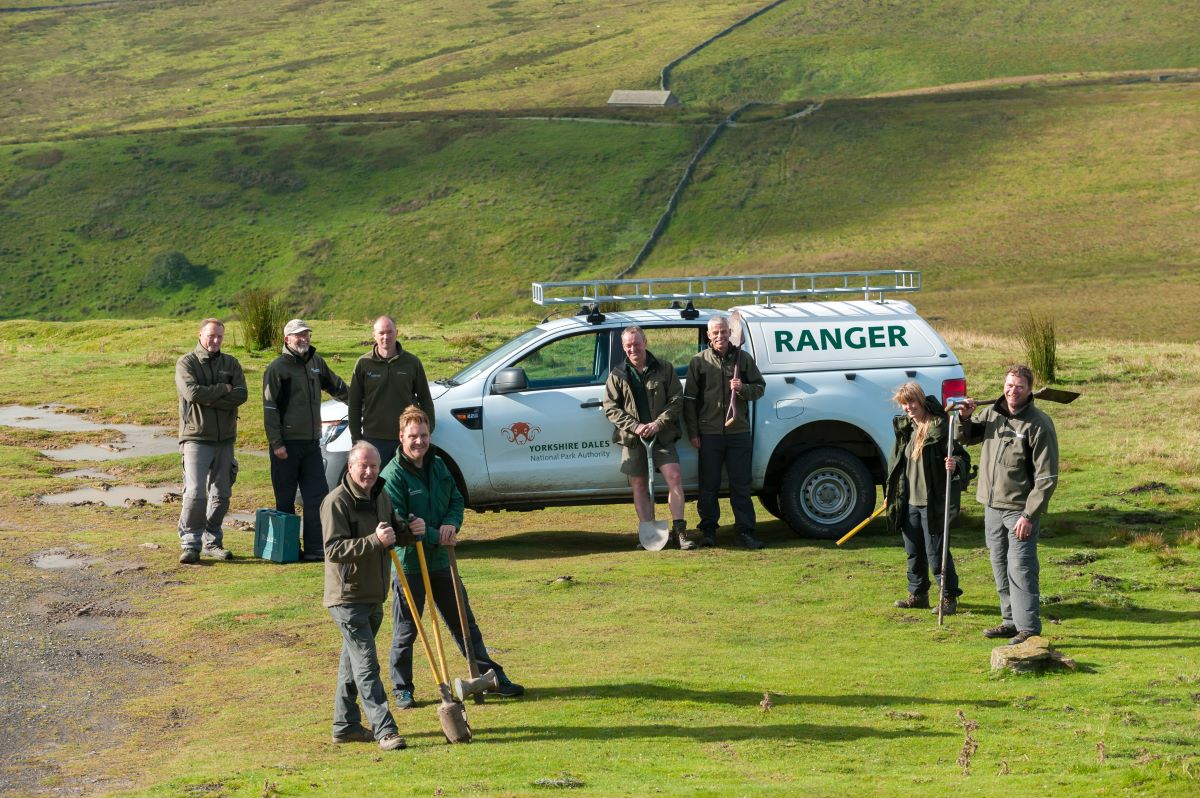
(917, 601)
(687, 544)
(676, 539)
(217, 553)
(355, 734)
(507, 687)
(309, 556)
(1020, 637)
(949, 606)
(189, 557)
(392, 742)
(1003, 630)
(709, 541)
(749, 541)
(405, 700)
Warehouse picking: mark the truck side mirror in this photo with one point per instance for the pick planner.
(510, 380)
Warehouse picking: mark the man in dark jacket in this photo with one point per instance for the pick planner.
(643, 400)
(211, 387)
(292, 386)
(1018, 471)
(423, 490)
(385, 382)
(359, 530)
(710, 386)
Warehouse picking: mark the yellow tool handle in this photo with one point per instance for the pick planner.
(412, 608)
(437, 631)
(865, 521)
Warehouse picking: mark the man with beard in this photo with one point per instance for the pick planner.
(292, 386)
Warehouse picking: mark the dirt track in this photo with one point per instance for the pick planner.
(69, 642)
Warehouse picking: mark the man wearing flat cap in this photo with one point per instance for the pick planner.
(292, 386)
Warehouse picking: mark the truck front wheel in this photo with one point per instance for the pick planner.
(825, 493)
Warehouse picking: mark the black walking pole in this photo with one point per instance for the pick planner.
(946, 513)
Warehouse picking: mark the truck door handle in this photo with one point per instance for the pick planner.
(591, 403)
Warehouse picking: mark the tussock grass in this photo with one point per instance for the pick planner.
(1148, 541)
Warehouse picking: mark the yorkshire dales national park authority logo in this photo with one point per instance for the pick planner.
(520, 432)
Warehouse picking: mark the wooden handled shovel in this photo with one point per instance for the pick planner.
(477, 685)
(736, 338)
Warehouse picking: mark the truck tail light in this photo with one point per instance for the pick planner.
(953, 389)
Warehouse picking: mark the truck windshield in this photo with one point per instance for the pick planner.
(487, 361)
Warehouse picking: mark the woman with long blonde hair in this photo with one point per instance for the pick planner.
(920, 469)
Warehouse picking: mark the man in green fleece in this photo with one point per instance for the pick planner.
(1018, 471)
(386, 381)
(211, 388)
(359, 530)
(422, 489)
(292, 385)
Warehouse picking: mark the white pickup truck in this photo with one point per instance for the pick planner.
(523, 429)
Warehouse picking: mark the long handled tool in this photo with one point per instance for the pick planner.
(452, 713)
(952, 415)
(652, 534)
(454, 722)
(736, 338)
(478, 684)
(862, 524)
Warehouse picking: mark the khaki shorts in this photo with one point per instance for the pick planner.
(633, 458)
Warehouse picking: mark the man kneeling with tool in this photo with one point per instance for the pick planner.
(422, 489)
(357, 521)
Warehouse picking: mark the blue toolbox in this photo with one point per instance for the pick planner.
(276, 536)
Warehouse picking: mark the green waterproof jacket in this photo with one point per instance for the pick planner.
(429, 493)
(381, 389)
(664, 396)
(706, 397)
(207, 412)
(358, 568)
(292, 387)
(933, 463)
(1018, 464)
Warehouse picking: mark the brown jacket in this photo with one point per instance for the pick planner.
(358, 569)
(664, 396)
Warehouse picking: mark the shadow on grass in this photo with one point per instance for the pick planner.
(649, 691)
(725, 732)
(1085, 608)
(1136, 642)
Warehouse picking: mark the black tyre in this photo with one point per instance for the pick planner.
(825, 493)
(770, 503)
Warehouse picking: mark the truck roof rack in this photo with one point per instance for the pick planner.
(763, 288)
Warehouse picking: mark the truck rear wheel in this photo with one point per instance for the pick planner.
(825, 493)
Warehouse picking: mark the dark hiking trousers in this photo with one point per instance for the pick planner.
(733, 453)
(404, 630)
(924, 548)
(305, 469)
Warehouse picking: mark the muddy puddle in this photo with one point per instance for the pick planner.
(138, 441)
(115, 495)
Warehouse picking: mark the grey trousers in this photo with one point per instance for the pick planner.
(1015, 568)
(358, 671)
(209, 470)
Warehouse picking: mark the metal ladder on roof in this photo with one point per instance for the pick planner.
(762, 288)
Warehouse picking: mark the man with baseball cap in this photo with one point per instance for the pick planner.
(292, 386)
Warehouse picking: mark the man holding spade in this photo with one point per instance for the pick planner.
(357, 521)
(643, 399)
(721, 382)
(423, 490)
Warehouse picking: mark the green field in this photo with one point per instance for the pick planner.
(644, 671)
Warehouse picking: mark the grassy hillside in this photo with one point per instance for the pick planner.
(134, 65)
(644, 671)
(833, 47)
(348, 220)
(137, 65)
(1070, 200)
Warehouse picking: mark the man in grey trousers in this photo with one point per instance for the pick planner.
(359, 528)
(211, 387)
(1018, 471)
